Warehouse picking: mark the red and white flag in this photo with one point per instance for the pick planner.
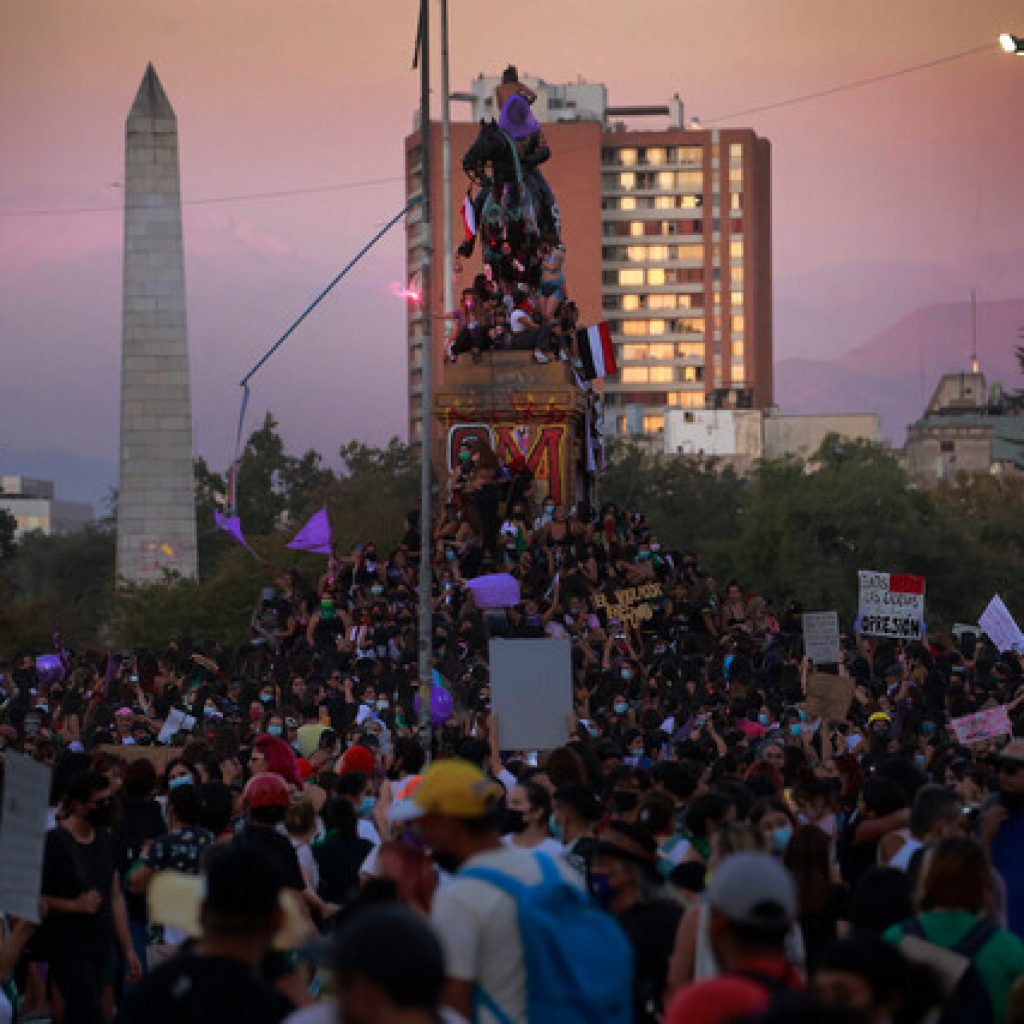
(468, 218)
(596, 351)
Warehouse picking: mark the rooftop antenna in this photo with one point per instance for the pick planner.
(974, 331)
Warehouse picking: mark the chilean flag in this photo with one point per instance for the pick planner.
(596, 351)
(468, 219)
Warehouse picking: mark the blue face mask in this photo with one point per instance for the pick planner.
(802, 714)
(763, 719)
(366, 806)
(266, 698)
(794, 730)
(601, 889)
(451, 554)
(626, 674)
(919, 761)
(376, 590)
(780, 838)
(620, 708)
(594, 731)
(42, 707)
(179, 780)
(275, 730)
(928, 728)
(556, 830)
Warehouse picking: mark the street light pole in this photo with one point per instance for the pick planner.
(426, 625)
(446, 167)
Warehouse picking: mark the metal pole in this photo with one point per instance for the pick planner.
(446, 167)
(426, 624)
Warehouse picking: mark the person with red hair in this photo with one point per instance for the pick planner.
(272, 754)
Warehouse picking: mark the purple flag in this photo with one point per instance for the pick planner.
(315, 536)
(232, 525)
(497, 590)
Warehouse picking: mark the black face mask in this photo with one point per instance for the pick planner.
(99, 816)
(446, 861)
(513, 822)
(1013, 802)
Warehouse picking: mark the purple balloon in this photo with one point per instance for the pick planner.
(441, 705)
(49, 669)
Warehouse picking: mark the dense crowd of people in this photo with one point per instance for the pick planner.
(741, 857)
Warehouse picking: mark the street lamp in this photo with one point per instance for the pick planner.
(1011, 43)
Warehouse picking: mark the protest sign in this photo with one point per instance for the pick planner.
(531, 692)
(821, 637)
(498, 590)
(176, 721)
(629, 605)
(1000, 627)
(23, 835)
(159, 757)
(891, 604)
(983, 725)
(828, 696)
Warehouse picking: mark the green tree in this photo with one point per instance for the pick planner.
(8, 524)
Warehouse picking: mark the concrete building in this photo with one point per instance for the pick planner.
(669, 240)
(740, 437)
(35, 506)
(156, 524)
(965, 429)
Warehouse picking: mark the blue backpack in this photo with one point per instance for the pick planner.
(579, 963)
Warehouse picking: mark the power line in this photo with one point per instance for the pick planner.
(208, 200)
(858, 84)
(315, 189)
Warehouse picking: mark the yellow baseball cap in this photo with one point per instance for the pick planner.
(453, 788)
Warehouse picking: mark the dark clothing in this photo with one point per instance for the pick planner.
(180, 851)
(279, 851)
(339, 861)
(820, 929)
(79, 947)
(141, 822)
(191, 989)
(651, 928)
(71, 868)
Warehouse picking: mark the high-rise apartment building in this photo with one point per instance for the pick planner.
(669, 240)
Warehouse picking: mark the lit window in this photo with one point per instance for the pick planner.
(664, 202)
(635, 328)
(661, 374)
(662, 301)
(736, 176)
(736, 248)
(690, 349)
(627, 179)
(689, 179)
(655, 326)
(627, 157)
(635, 375)
(737, 350)
(636, 228)
(736, 298)
(655, 156)
(630, 302)
(666, 179)
(690, 253)
(636, 253)
(660, 351)
(654, 424)
(736, 275)
(735, 150)
(634, 352)
(737, 323)
(627, 203)
(686, 399)
(627, 277)
(691, 202)
(655, 276)
(736, 201)
(691, 324)
(690, 156)
(691, 373)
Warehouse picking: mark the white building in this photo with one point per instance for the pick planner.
(34, 507)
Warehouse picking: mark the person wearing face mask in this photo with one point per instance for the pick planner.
(86, 908)
(624, 878)
(575, 813)
(526, 819)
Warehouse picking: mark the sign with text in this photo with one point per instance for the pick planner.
(23, 835)
(531, 692)
(629, 605)
(892, 605)
(983, 725)
(1000, 627)
(821, 637)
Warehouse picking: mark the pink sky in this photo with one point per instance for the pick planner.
(921, 169)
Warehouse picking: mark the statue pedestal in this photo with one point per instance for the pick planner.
(519, 407)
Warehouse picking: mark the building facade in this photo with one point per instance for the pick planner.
(35, 507)
(668, 235)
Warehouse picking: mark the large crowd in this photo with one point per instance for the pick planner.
(746, 860)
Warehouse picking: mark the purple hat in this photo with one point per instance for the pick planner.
(517, 118)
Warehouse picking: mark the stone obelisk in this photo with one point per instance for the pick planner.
(156, 520)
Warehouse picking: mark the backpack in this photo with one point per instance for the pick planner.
(967, 1000)
(579, 963)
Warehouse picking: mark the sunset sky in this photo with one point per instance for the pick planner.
(919, 170)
